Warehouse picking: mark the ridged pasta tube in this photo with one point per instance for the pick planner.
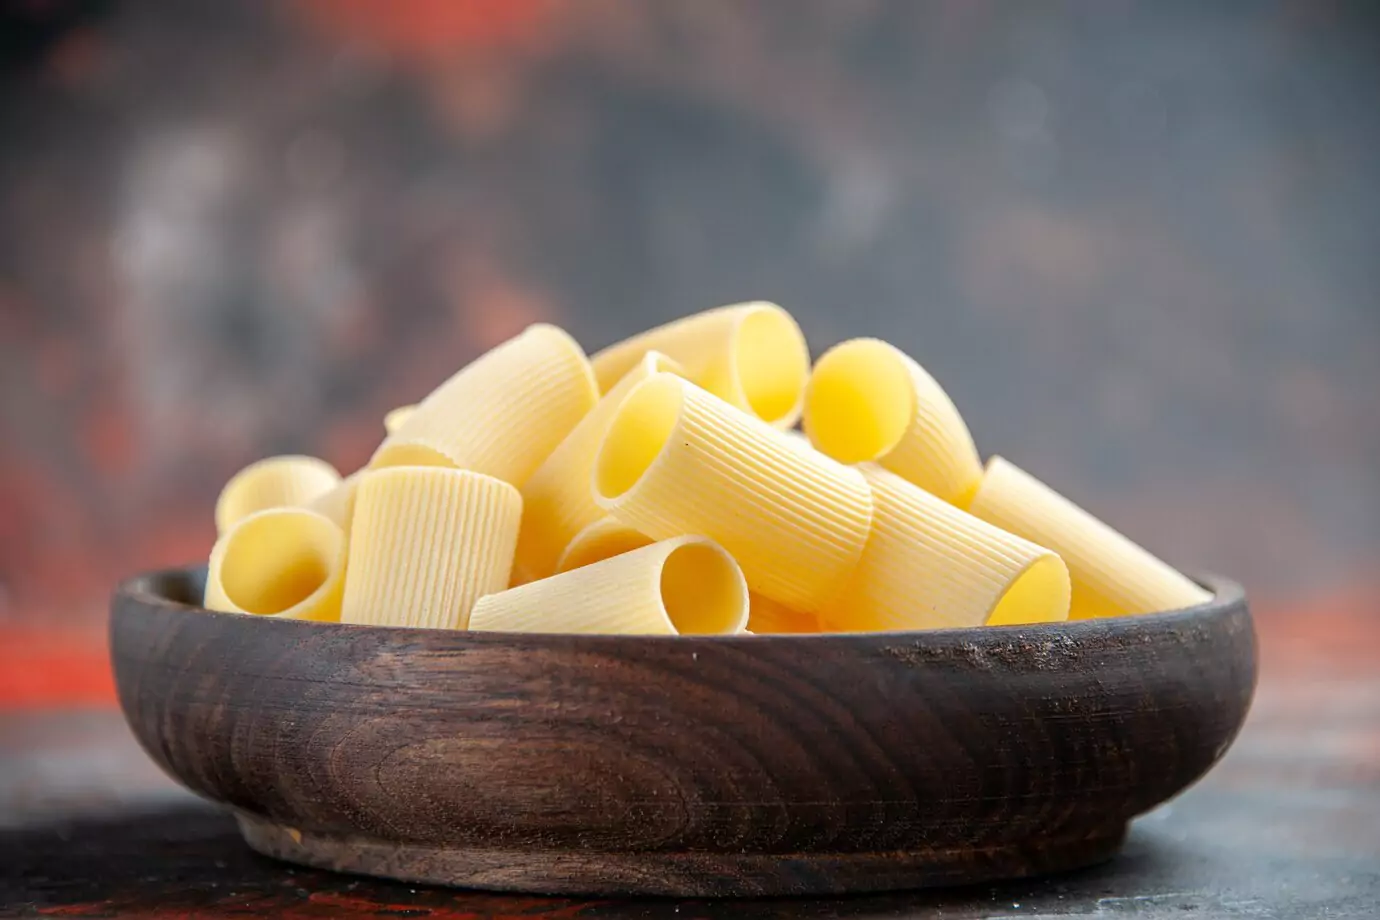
(867, 400)
(686, 585)
(558, 499)
(282, 562)
(929, 565)
(427, 543)
(752, 355)
(503, 413)
(1112, 576)
(606, 538)
(679, 460)
(603, 539)
(290, 481)
(394, 419)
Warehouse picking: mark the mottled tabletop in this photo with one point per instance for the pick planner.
(1288, 825)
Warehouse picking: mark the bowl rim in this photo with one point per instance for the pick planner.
(1226, 596)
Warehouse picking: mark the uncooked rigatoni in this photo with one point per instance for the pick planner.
(428, 542)
(679, 460)
(503, 413)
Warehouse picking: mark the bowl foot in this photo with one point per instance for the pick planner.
(692, 874)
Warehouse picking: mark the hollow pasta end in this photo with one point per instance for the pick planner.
(860, 401)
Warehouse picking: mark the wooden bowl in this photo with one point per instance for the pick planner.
(693, 766)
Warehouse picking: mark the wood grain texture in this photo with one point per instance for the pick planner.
(682, 765)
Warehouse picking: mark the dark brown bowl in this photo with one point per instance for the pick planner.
(739, 765)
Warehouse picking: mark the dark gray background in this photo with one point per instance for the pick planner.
(1135, 240)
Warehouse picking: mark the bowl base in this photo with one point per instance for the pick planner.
(679, 874)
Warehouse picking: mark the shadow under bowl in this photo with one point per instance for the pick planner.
(689, 766)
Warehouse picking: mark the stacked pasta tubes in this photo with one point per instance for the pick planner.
(556, 500)
(678, 459)
(515, 498)
(751, 355)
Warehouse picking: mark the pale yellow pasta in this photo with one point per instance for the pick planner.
(427, 543)
(930, 565)
(339, 503)
(606, 538)
(558, 499)
(867, 400)
(603, 539)
(679, 460)
(283, 562)
(503, 413)
(395, 418)
(766, 617)
(290, 481)
(752, 355)
(686, 585)
(1112, 576)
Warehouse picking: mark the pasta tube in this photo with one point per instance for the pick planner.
(867, 400)
(928, 564)
(558, 499)
(679, 460)
(284, 562)
(339, 503)
(503, 413)
(767, 617)
(686, 585)
(752, 355)
(395, 418)
(1112, 576)
(606, 538)
(427, 542)
(276, 482)
(601, 540)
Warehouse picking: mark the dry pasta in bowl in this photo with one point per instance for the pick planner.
(659, 488)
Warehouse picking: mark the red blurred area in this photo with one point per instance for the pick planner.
(41, 669)
(429, 29)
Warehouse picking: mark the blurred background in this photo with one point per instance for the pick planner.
(1136, 241)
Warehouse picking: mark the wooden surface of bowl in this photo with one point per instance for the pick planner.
(695, 766)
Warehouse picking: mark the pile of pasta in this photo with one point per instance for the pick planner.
(660, 488)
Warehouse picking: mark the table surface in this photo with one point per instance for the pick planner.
(1288, 825)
